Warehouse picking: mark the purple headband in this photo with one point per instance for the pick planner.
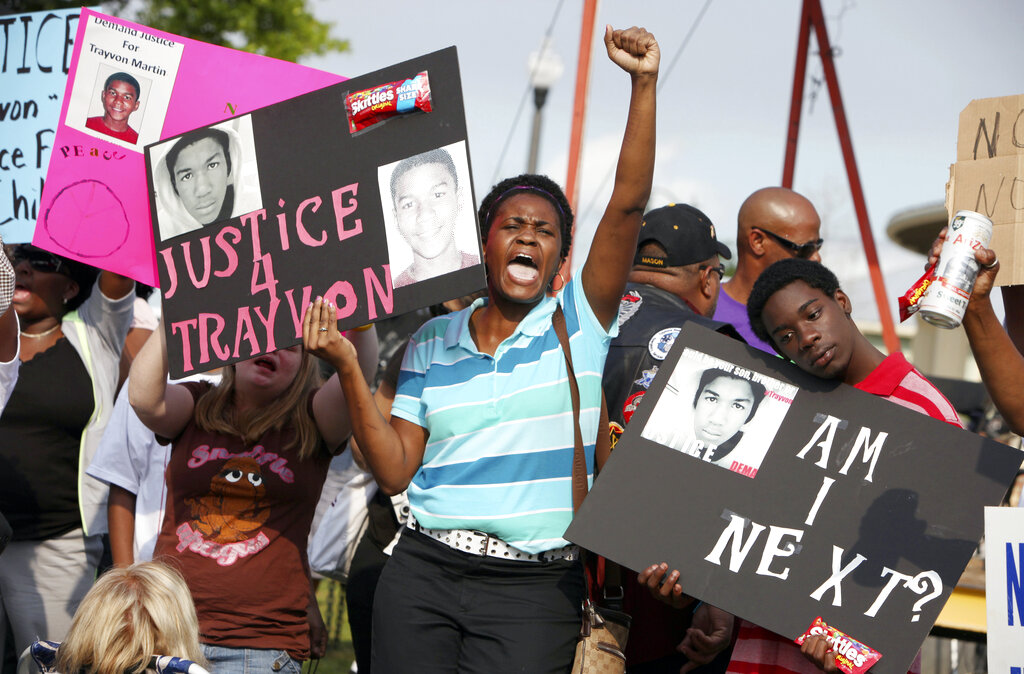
(527, 188)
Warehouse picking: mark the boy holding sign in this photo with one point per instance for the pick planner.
(797, 306)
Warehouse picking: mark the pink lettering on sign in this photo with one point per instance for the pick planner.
(344, 290)
(230, 259)
(208, 339)
(245, 324)
(186, 341)
(263, 279)
(268, 322)
(383, 291)
(254, 325)
(229, 250)
(304, 235)
(186, 248)
(342, 210)
(298, 311)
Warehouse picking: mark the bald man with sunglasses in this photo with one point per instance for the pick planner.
(774, 223)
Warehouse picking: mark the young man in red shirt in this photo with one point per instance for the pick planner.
(796, 305)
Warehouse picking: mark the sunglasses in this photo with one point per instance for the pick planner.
(720, 269)
(804, 250)
(39, 260)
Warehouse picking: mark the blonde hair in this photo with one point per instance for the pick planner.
(129, 615)
(215, 411)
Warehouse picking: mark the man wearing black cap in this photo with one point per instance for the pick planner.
(675, 278)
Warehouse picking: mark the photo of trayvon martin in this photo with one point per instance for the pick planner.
(722, 415)
(207, 175)
(432, 213)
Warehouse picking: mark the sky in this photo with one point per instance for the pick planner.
(906, 69)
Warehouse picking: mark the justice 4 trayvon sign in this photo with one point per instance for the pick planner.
(833, 503)
(358, 192)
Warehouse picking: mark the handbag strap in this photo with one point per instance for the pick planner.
(612, 571)
(579, 459)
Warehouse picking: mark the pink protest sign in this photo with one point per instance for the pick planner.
(130, 86)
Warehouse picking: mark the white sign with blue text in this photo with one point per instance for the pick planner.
(1004, 589)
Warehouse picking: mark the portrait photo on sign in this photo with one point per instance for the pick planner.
(720, 413)
(119, 109)
(429, 217)
(205, 176)
(121, 86)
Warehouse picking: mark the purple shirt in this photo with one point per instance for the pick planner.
(732, 312)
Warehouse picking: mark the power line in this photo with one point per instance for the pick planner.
(545, 44)
(835, 36)
(580, 217)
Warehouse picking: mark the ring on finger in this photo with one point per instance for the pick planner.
(992, 264)
(323, 329)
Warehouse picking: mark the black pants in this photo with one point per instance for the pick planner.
(441, 610)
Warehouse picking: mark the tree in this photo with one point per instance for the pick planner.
(283, 29)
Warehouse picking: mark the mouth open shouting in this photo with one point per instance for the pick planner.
(265, 363)
(523, 269)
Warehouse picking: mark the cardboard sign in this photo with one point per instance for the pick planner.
(832, 502)
(1004, 589)
(379, 221)
(989, 176)
(36, 52)
(991, 127)
(129, 86)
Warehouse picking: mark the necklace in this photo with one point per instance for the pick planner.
(40, 335)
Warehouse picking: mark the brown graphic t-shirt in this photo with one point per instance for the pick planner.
(236, 525)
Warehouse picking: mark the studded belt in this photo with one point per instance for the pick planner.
(479, 543)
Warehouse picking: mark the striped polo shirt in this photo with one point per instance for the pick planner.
(499, 453)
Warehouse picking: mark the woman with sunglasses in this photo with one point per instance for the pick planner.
(482, 427)
(73, 326)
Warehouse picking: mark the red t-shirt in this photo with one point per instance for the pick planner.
(236, 525)
(96, 124)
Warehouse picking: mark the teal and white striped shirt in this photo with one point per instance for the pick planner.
(499, 453)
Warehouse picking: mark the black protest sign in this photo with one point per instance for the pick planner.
(833, 502)
(257, 216)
